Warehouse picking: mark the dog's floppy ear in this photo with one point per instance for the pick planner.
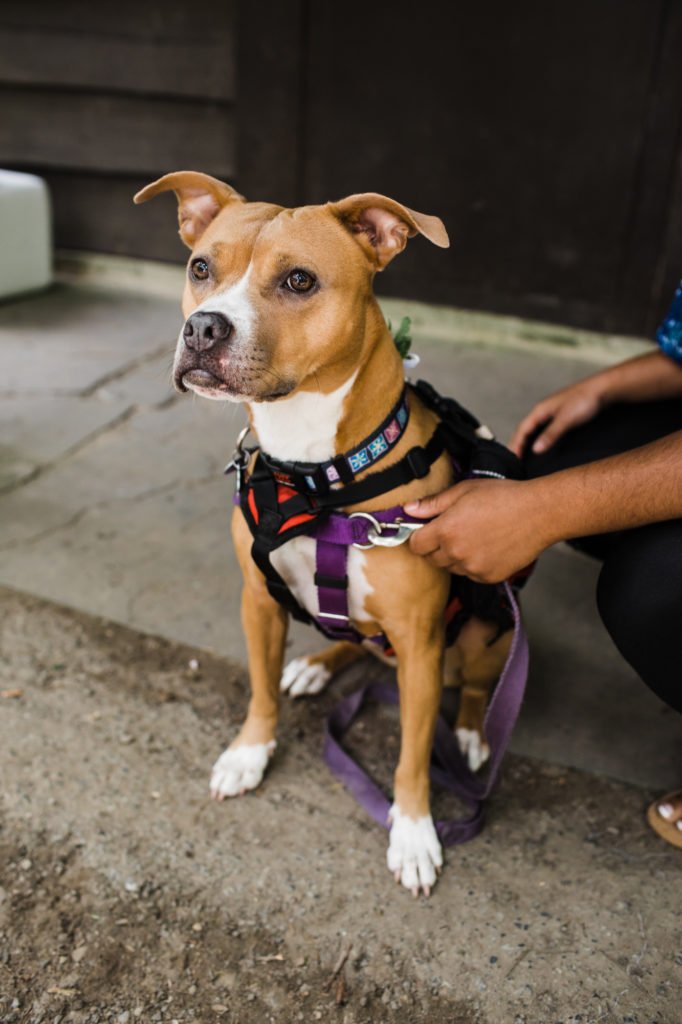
(200, 199)
(383, 225)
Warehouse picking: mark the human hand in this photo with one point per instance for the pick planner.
(484, 529)
(560, 412)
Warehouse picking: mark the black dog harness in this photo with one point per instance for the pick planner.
(282, 500)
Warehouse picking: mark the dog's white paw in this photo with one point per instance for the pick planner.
(301, 678)
(473, 746)
(414, 852)
(239, 769)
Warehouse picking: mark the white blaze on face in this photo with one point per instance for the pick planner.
(235, 304)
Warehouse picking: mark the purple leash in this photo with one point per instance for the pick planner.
(448, 768)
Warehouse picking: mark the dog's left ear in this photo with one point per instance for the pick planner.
(200, 199)
(383, 225)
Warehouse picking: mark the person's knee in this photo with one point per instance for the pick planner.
(639, 597)
(623, 608)
(640, 586)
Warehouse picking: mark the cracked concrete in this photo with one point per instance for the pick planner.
(59, 390)
(114, 503)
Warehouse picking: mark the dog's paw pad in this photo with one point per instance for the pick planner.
(302, 677)
(239, 769)
(474, 748)
(414, 853)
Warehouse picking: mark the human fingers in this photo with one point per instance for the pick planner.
(441, 559)
(432, 505)
(569, 415)
(425, 541)
(538, 415)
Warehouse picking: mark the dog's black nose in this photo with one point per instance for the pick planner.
(204, 330)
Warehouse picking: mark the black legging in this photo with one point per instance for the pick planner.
(639, 594)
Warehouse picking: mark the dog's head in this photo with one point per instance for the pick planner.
(275, 298)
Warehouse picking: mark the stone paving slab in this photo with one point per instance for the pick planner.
(63, 354)
(70, 340)
(116, 504)
(41, 431)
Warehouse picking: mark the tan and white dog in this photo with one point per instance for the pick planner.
(280, 314)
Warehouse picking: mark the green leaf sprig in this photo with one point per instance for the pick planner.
(402, 337)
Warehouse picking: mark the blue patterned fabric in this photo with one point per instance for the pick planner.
(378, 446)
(359, 460)
(669, 334)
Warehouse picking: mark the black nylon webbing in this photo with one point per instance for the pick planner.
(455, 433)
(272, 514)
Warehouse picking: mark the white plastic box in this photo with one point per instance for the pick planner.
(25, 234)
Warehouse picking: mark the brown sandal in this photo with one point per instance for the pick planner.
(665, 829)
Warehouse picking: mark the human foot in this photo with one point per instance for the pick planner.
(665, 817)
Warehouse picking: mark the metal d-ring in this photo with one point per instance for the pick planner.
(240, 457)
(241, 437)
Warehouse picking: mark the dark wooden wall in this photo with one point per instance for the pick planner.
(101, 98)
(546, 134)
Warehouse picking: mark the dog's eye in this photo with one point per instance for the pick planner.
(299, 281)
(198, 270)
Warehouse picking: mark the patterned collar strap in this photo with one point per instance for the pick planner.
(317, 477)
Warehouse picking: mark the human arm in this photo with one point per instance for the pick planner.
(649, 377)
(489, 529)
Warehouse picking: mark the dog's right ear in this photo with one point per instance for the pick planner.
(382, 225)
(200, 199)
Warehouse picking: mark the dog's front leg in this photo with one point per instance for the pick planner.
(414, 851)
(242, 766)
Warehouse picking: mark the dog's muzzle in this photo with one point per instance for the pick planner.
(204, 330)
(205, 338)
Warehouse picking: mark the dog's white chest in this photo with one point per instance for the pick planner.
(303, 428)
(295, 562)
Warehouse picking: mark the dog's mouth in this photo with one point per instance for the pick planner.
(202, 381)
(209, 386)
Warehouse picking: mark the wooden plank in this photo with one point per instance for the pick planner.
(652, 250)
(519, 124)
(85, 60)
(271, 72)
(96, 213)
(669, 270)
(154, 20)
(114, 133)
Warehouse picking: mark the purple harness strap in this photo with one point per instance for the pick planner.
(333, 536)
(447, 764)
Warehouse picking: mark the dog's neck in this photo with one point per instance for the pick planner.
(313, 425)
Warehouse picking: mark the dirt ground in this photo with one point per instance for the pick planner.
(127, 896)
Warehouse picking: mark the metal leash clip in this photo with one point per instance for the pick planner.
(376, 536)
(240, 459)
